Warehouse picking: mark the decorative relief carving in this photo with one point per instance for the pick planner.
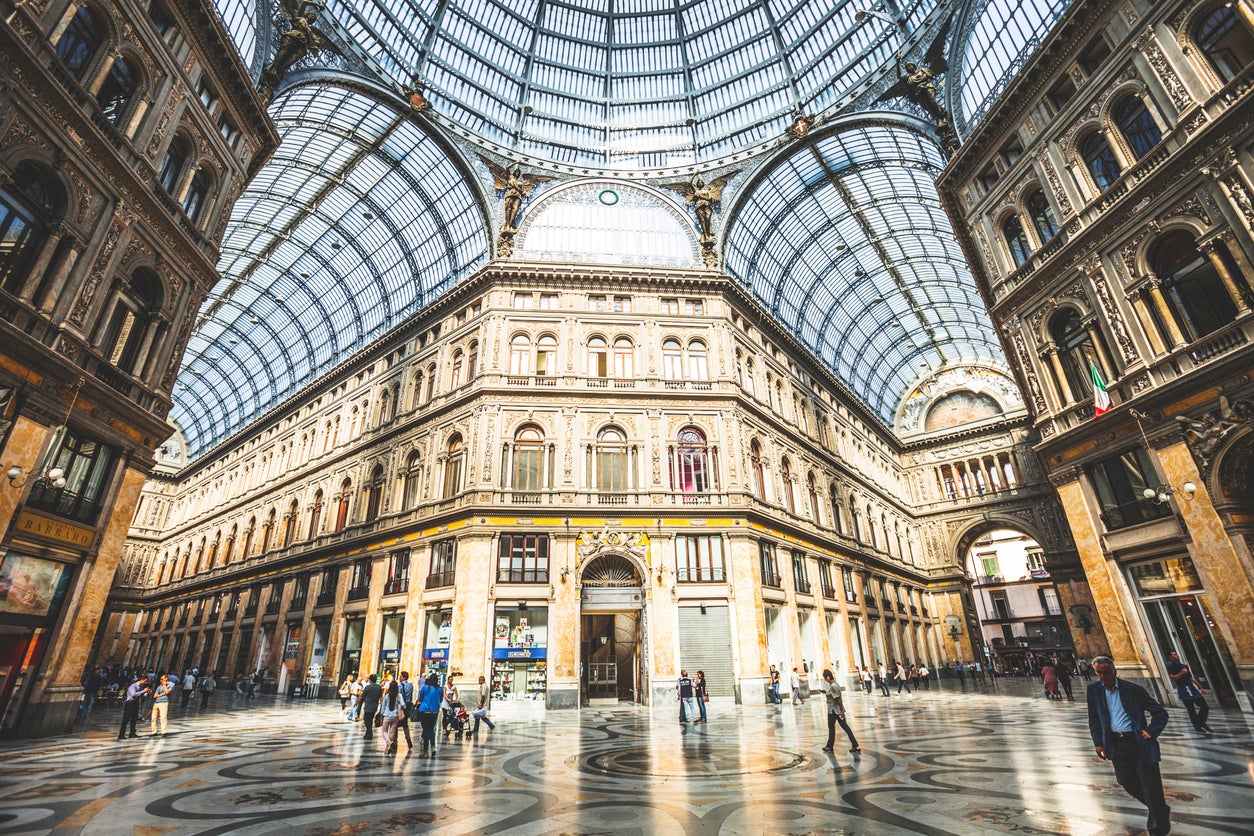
(1190, 207)
(1206, 435)
(185, 330)
(1055, 185)
(20, 132)
(1113, 318)
(489, 437)
(1240, 195)
(1130, 15)
(79, 315)
(1195, 122)
(1167, 74)
(1095, 108)
(1025, 365)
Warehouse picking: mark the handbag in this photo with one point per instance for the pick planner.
(705, 699)
(479, 712)
(378, 720)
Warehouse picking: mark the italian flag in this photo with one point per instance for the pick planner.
(1101, 399)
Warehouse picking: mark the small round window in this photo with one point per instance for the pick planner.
(608, 196)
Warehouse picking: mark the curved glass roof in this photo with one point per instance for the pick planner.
(1001, 36)
(845, 242)
(358, 220)
(625, 84)
(241, 22)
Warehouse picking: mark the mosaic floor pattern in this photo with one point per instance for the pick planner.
(937, 762)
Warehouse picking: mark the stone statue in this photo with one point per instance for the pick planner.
(516, 186)
(299, 39)
(918, 84)
(703, 198)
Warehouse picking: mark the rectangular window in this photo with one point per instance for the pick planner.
(992, 569)
(622, 304)
(523, 301)
(548, 301)
(669, 306)
(801, 582)
(1036, 561)
(825, 579)
(694, 307)
(398, 573)
(1120, 483)
(359, 585)
(88, 467)
(1049, 600)
(851, 591)
(766, 560)
(326, 587)
(699, 559)
(443, 563)
(523, 558)
(597, 303)
(300, 592)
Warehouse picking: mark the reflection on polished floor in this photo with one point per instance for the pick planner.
(938, 762)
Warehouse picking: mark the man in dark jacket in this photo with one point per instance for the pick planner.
(370, 697)
(1120, 734)
(130, 709)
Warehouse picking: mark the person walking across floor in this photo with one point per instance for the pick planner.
(390, 708)
(135, 694)
(354, 698)
(452, 698)
(1063, 672)
(882, 675)
(925, 677)
(406, 689)
(1050, 675)
(775, 686)
(867, 679)
(207, 685)
(189, 687)
(430, 695)
(1121, 735)
(899, 674)
(699, 694)
(687, 702)
(794, 682)
(481, 709)
(346, 691)
(835, 713)
(1190, 692)
(371, 693)
(160, 717)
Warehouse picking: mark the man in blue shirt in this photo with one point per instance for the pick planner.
(130, 709)
(1120, 735)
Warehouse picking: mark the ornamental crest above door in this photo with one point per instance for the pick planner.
(590, 544)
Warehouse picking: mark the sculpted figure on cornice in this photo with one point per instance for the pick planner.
(1206, 435)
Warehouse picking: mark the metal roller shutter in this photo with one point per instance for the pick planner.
(705, 644)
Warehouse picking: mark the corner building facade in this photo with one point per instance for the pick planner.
(573, 481)
(1104, 205)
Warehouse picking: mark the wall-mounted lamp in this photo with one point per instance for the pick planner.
(51, 477)
(565, 573)
(1162, 493)
(1082, 615)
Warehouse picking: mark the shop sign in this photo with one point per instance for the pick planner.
(519, 653)
(289, 651)
(436, 654)
(28, 522)
(391, 655)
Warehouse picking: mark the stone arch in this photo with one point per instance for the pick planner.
(962, 539)
(612, 569)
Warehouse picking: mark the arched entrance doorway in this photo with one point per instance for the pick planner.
(1022, 623)
(611, 649)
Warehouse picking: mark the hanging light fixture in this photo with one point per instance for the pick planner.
(1162, 492)
(50, 476)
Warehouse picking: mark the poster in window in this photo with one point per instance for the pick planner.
(31, 586)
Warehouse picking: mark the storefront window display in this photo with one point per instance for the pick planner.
(519, 654)
(390, 645)
(354, 630)
(435, 646)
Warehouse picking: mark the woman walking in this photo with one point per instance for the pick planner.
(391, 709)
(698, 691)
(346, 691)
(1050, 675)
(836, 713)
(429, 697)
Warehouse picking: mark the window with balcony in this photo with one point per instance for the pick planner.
(1016, 240)
(1196, 296)
(1042, 215)
(197, 195)
(520, 355)
(454, 461)
(851, 591)
(326, 586)
(523, 558)
(785, 475)
(341, 509)
(398, 573)
(80, 42)
(698, 367)
(117, 91)
(699, 559)
(598, 357)
(1099, 159)
(443, 563)
(611, 461)
(1137, 125)
(767, 565)
(27, 206)
(88, 467)
(691, 462)
(315, 514)
(800, 580)
(1076, 351)
(1226, 41)
(300, 591)
(624, 358)
(373, 494)
(528, 460)
(825, 579)
(672, 360)
(359, 579)
(125, 337)
(1120, 484)
(546, 356)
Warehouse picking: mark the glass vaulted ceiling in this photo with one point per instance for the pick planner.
(626, 84)
(846, 243)
(358, 220)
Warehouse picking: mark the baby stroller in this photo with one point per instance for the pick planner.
(455, 719)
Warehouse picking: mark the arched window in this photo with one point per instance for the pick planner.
(455, 372)
(747, 379)
(200, 555)
(785, 474)
(1016, 240)
(472, 361)
(1137, 125)
(870, 528)
(289, 523)
(116, 91)
(598, 357)
(814, 499)
(1226, 42)
(315, 514)
(80, 42)
(611, 461)
(528, 446)
(27, 205)
(229, 551)
(343, 500)
(197, 195)
(697, 368)
(672, 359)
(837, 519)
(1196, 295)
(123, 339)
(1042, 216)
(1100, 160)
(755, 463)
(173, 163)
(374, 493)
(693, 461)
(624, 358)
(1075, 350)
(385, 406)
(249, 534)
(430, 382)
(453, 467)
(412, 480)
(416, 397)
(853, 517)
(267, 533)
(520, 355)
(546, 356)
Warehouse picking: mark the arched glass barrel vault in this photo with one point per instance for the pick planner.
(360, 219)
(844, 240)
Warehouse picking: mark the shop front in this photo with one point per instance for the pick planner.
(350, 661)
(31, 592)
(437, 635)
(390, 646)
(520, 654)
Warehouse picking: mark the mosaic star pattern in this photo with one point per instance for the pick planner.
(939, 762)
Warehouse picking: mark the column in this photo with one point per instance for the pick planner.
(56, 233)
(1175, 337)
(1066, 396)
(1147, 323)
(1095, 336)
(1239, 256)
(1211, 248)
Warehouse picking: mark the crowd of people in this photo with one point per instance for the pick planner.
(389, 705)
(145, 696)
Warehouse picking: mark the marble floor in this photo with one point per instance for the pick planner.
(937, 762)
